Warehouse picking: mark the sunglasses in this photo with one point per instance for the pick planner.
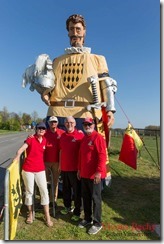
(87, 124)
(41, 128)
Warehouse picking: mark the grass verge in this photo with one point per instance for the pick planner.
(130, 207)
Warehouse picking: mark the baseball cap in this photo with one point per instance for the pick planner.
(88, 120)
(41, 125)
(53, 118)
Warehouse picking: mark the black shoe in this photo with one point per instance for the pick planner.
(66, 210)
(84, 223)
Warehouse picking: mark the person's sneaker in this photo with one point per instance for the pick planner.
(84, 223)
(75, 218)
(72, 209)
(94, 230)
(65, 211)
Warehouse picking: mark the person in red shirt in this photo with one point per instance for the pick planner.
(69, 150)
(51, 154)
(33, 170)
(91, 169)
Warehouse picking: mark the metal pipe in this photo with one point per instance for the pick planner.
(6, 214)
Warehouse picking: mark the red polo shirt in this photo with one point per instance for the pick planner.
(69, 146)
(92, 156)
(34, 161)
(52, 146)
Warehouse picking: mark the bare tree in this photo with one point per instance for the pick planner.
(5, 114)
(34, 116)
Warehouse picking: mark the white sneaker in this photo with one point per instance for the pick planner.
(94, 230)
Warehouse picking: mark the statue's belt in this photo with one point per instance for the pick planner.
(70, 103)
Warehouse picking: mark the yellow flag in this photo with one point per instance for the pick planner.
(15, 197)
(137, 140)
(131, 145)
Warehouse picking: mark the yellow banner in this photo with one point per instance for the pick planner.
(15, 197)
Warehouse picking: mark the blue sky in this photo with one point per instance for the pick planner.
(126, 32)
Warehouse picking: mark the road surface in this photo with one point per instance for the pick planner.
(10, 143)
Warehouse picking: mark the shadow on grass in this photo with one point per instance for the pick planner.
(114, 152)
(39, 212)
(135, 202)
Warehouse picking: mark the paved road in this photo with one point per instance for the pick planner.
(10, 143)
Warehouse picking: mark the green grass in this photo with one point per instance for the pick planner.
(4, 132)
(131, 206)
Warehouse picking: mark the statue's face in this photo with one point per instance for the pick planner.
(76, 34)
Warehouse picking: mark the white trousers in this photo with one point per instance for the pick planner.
(29, 179)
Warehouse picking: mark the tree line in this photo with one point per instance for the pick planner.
(150, 130)
(16, 122)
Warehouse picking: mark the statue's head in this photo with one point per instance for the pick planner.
(76, 28)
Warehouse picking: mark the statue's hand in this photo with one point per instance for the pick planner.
(46, 99)
(110, 119)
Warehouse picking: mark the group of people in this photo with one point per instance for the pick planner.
(84, 90)
(81, 160)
